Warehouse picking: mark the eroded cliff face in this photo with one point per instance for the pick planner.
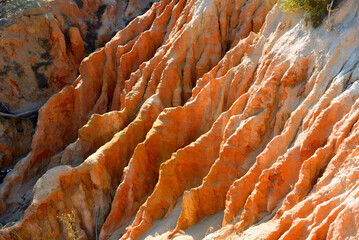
(202, 117)
(42, 44)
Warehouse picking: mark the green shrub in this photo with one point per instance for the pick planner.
(314, 10)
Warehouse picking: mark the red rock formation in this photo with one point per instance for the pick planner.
(42, 45)
(196, 108)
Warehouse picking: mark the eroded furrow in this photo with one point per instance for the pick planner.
(197, 108)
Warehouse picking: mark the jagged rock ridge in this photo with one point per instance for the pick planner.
(42, 44)
(196, 108)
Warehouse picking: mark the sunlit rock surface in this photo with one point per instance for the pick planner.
(210, 119)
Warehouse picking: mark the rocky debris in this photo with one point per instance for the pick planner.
(198, 108)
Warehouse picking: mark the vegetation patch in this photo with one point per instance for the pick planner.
(69, 219)
(314, 10)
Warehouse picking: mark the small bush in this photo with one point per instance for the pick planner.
(69, 219)
(314, 10)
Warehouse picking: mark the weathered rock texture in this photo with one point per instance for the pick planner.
(42, 43)
(15, 137)
(199, 107)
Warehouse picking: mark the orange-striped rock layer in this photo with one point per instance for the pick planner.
(42, 44)
(197, 108)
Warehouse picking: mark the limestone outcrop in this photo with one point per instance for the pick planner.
(202, 119)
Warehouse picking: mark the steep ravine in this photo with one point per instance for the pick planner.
(201, 119)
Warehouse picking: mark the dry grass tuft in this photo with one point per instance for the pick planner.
(69, 219)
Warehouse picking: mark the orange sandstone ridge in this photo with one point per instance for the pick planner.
(211, 119)
(42, 44)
